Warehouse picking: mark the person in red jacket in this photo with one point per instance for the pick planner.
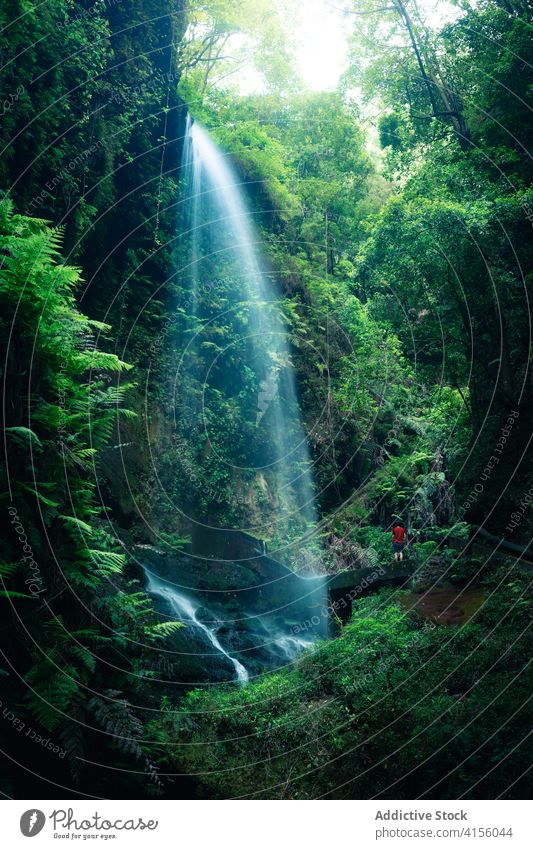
(399, 537)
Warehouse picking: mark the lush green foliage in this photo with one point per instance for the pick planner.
(386, 709)
(403, 282)
(93, 140)
(62, 570)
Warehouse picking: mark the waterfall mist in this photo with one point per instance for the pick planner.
(235, 357)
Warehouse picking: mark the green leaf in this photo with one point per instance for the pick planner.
(25, 433)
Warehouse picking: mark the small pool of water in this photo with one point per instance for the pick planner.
(445, 605)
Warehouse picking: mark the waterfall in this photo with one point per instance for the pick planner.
(186, 609)
(235, 388)
(271, 637)
(240, 455)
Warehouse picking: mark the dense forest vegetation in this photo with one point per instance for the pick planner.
(394, 215)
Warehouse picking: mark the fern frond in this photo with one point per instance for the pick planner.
(161, 630)
(24, 433)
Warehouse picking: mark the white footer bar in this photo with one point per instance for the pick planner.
(267, 824)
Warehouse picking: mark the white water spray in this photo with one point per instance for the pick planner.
(235, 343)
(185, 609)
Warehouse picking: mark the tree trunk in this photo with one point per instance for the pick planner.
(448, 97)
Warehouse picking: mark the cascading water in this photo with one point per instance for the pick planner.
(186, 609)
(268, 637)
(235, 387)
(242, 462)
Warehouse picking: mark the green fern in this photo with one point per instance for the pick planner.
(162, 630)
(25, 434)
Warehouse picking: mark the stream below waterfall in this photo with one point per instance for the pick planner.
(186, 609)
(222, 648)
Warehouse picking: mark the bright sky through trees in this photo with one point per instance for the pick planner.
(321, 43)
(320, 35)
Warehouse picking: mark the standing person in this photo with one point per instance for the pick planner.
(399, 537)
